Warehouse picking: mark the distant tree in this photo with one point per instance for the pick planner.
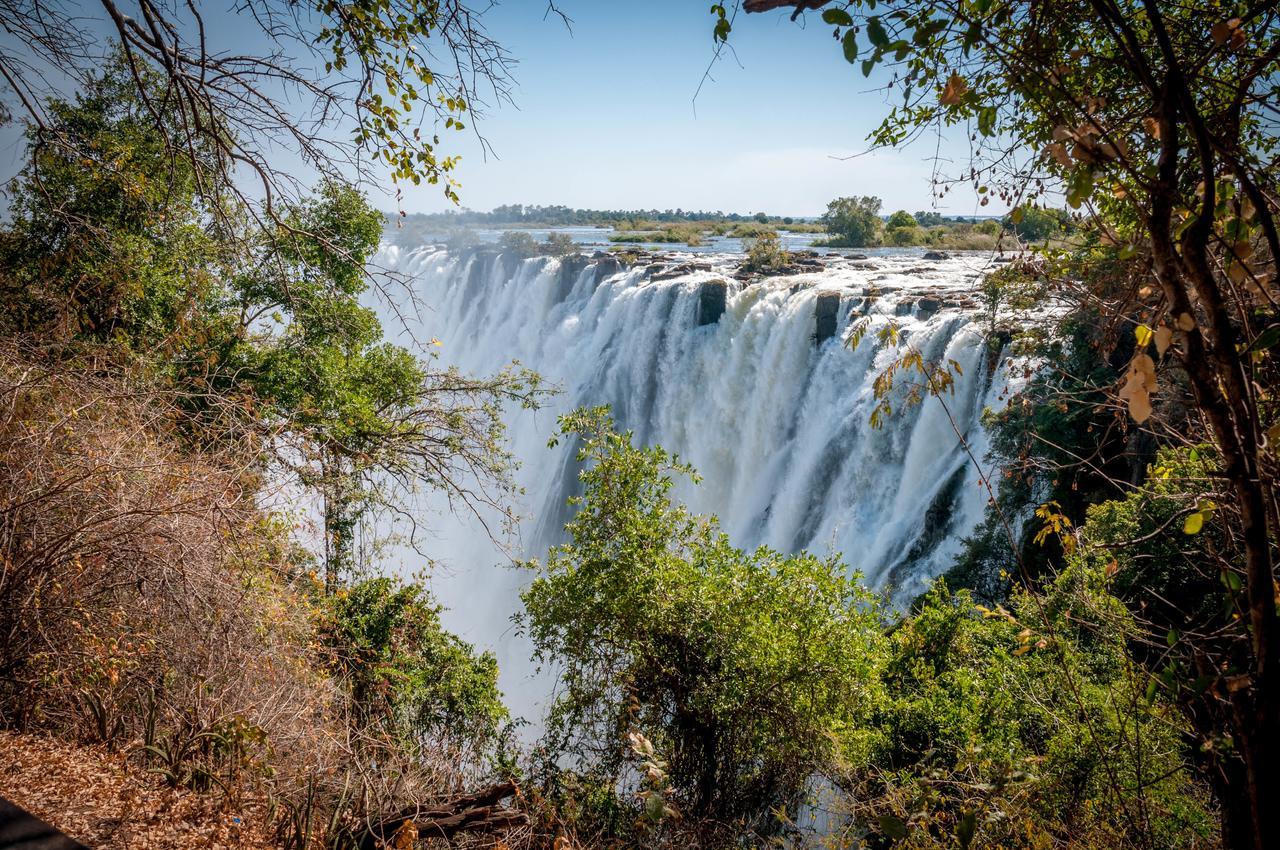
(928, 219)
(901, 218)
(788, 220)
(904, 236)
(761, 217)
(854, 221)
(1035, 224)
(518, 243)
(559, 245)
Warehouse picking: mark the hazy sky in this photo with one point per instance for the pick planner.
(605, 117)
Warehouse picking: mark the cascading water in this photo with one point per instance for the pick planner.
(772, 410)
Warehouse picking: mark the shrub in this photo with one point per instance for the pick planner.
(148, 603)
(765, 254)
(405, 671)
(518, 244)
(748, 672)
(904, 236)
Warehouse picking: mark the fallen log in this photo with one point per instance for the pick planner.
(475, 812)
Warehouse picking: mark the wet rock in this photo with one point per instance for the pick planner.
(936, 255)
(926, 307)
(825, 314)
(606, 267)
(712, 298)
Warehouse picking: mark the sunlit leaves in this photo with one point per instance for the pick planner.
(723, 26)
(1196, 520)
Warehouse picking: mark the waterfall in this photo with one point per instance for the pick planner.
(773, 415)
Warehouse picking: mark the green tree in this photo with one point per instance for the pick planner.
(747, 671)
(1035, 224)
(854, 222)
(108, 238)
(901, 218)
(261, 329)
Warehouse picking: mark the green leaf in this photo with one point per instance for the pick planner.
(987, 121)
(867, 65)
(1266, 340)
(837, 17)
(965, 829)
(850, 44)
(876, 33)
(893, 828)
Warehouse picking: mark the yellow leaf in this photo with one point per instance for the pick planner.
(1194, 523)
(1143, 333)
(1022, 650)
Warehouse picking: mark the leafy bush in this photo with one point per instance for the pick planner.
(994, 720)
(405, 671)
(747, 671)
(765, 254)
(559, 245)
(904, 235)
(519, 244)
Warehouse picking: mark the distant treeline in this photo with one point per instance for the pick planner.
(533, 215)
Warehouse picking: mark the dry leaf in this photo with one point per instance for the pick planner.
(953, 91)
(1140, 382)
(1059, 152)
(1164, 337)
(1186, 322)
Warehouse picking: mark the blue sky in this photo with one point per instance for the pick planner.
(604, 117)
